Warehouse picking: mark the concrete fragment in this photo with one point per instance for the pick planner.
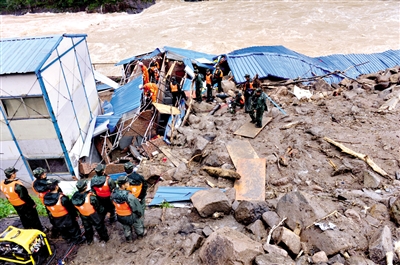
(192, 242)
(248, 212)
(210, 201)
(271, 218)
(207, 230)
(275, 250)
(380, 244)
(301, 208)
(258, 229)
(228, 246)
(371, 180)
(271, 259)
(181, 172)
(358, 260)
(320, 257)
(287, 237)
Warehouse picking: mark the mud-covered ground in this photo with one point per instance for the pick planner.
(307, 163)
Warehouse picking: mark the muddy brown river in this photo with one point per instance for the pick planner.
(310, 27)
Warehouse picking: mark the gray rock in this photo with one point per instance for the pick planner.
(207, 230)
(287, 237)
(358, 260)
(275, 250)
(231, 194)
(258, 229)
(271, 259)
(200, 143)
(248, 212)
(371, 180)
(380, 244)
(271, 159)
(300, 209)
(349, 95)
(210, 201)
(192, 242)
(217, 159)
(228, 246)
(320, 257)
(271, 218)
(394, 211)
(337, 259)
(193, 119)
(181, 172)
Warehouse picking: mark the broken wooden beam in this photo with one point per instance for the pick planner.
(363, 157)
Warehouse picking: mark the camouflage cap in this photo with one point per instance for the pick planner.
(122, 180)
(129, 165)
(38, 172)
(100, 168)
(81, 184)
(9, 171)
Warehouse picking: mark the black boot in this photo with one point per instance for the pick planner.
(258, 125)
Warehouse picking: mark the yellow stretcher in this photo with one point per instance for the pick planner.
(24, 246)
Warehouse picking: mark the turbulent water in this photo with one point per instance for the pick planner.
(318, 27)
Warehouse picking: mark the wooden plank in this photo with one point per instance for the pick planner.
(251, 186)
(250, 130)
(240, 149)
(166, 109)
(167, 152)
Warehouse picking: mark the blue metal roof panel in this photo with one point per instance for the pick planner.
(189, 53)
(112, 121)
(140, 57)
(127, 98)
(174, 194)
(25, 55)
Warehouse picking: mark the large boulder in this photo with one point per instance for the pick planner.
(208, 202)
(228, 246)
(380, 244)
(300, 208)
(248, 212)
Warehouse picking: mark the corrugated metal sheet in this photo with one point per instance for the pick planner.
(181, 54)
(26, 55)
(140, 57)
(127, 97)
(284, 63)
(174, 194)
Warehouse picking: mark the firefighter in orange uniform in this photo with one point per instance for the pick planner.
(91, 212)
(129, 210)
(63, 212)
(19, 198)
(145, 72)
(102, 185)
(209, 78)
(150, 89)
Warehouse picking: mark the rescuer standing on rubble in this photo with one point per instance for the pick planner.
(129, 210)
(19, 198)
(63, 212)
(258, 106)
(102, 185)
(91, 212)
(40, 187)
(137, 184)
(247, 92)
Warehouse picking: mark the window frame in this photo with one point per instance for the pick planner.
(44, 163)
(23, 101)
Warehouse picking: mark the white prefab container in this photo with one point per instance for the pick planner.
(48, 99)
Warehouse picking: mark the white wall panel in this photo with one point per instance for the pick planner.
(9, 150)
(5, 134)
(22, 173)
(41, 148)
(17, 85)
(33, 129)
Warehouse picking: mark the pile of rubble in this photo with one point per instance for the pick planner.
(327, 201)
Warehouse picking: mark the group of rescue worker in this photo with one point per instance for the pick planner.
(124, 201)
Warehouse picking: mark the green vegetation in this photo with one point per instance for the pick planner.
(166, 204)
(6, 209)
(59, 5)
